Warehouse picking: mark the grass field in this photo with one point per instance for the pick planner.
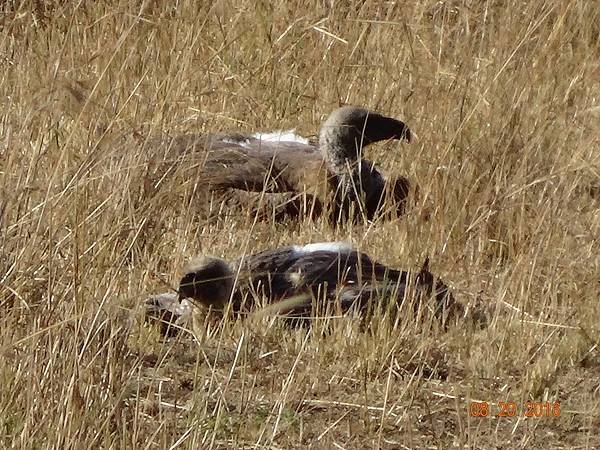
(504, 98)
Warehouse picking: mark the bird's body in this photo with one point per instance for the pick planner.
(331, 172)
(331, 273)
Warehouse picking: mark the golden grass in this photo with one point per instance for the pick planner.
(503, 97)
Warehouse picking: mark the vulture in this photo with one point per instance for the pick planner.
(296, 282)
(329, 175)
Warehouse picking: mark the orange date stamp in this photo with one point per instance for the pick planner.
(510, 409)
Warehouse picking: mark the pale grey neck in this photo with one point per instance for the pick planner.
(339, 152)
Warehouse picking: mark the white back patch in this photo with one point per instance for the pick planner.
(334, 247)
(245, 143)
(281, 136)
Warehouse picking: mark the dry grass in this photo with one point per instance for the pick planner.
(504, 98)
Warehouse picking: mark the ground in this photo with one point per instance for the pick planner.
(503, 99)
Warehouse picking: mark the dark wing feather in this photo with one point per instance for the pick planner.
(265, 168)
(245, 162)
(340, 268)
(265, 274)
(350, 277)
(237, 160)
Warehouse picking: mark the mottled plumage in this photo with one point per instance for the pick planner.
(331, 173)
(331, 272)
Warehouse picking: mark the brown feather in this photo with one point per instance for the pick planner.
(244, 162)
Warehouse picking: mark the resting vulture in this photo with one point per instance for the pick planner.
(332, 173)
(296, 281)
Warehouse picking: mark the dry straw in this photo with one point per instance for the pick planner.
(504, 98)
